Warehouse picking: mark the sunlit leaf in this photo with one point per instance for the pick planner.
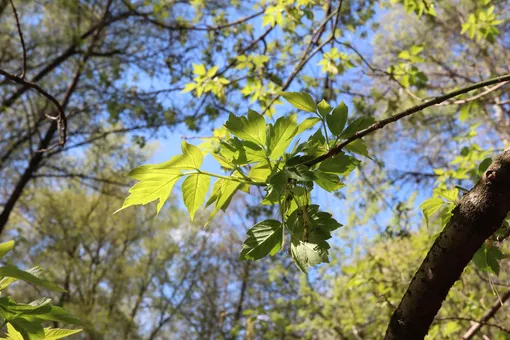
(336, 120)
(263, 238)
(194, 191)
(301, 101)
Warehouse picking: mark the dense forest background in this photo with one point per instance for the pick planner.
(135, 77)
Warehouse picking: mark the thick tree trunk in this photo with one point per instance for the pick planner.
(478, 215)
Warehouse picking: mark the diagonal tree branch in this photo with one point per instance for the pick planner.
(382, 123)
(478, 215)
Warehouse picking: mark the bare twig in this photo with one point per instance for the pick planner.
(489, 315)
(20, 33)
(61, 117)
(307, 55)
(470, 99)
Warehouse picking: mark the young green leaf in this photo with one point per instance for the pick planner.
(358, 146)
(260, 172)
(487, 259)
(324, 108)
(6, 247)
(263, 238)
(15, 272)
(59, 314)
(59, 333)
(328, 182)
(357, 125)
(194, 191)
(29, 329)
(336, 120)
(190, 159)
(430, 206)
(281, 135)
(307, 254)
(341, 165)
(251, 128)
(155, 184)
(276, 187)
(301, 173)
(484, 165)
(307, 124)
(222, 193)
(301, 101)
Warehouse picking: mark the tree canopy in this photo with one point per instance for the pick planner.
(343, 171)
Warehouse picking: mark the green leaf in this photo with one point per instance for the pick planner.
(276, 187)
(12, 333)
(336, 120)
(30, 330)
(487, 259)
(357, 125)
(430, 206)
(15, 272)
(301, 173)
(155, 184)
(190, 159)
(59, 333)
(307, 124)
(464, 112)
(263, 238)
(358, 146)
(260, 172)
(251, 129)
(324, 108)
(223, 191)
(194, 191)
(307, 254)
(61, 315)
(340, 164)
(328, 182)
(7, 281)
(6, 247)
(484, 165)
(301, 101)
(40, 306)
(281, 135)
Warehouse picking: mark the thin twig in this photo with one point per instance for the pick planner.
(382, 123)
(306, 56)
(470, 99)
(61, 118)
(20, 33)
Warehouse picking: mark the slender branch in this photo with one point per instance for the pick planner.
(458, 318)
(60, 118)
(470, 99)
(306, 56)
(489, 315)
(20, 33)
(164, 25)
(382, 123)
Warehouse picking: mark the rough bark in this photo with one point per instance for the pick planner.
(478, 215)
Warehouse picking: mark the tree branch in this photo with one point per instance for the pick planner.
(478, 215)
(489, 315)
(382, 123)
(20, 33)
